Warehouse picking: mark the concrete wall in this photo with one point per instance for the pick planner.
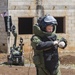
(22, 8)
(3, 35)
(57, 8)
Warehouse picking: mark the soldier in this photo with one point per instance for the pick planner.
(45, 45)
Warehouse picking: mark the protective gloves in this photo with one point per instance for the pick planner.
(56, 42)
(61, 44)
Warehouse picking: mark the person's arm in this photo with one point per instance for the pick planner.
(40, 45)
(62, 43)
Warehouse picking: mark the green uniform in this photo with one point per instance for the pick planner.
(45, 57)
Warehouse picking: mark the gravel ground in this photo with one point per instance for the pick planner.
(67, 66)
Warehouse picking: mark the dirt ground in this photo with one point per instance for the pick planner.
(67, 66)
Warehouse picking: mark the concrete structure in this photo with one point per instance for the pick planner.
(20, 9)
(3, 35)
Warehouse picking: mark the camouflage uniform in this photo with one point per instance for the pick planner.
(45, 57)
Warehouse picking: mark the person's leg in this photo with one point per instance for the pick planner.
(41, 71)
(57, 71)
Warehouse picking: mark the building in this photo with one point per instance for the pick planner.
(25, 13)
(3, 34)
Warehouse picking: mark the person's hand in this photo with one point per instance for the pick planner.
(61, 44)
(56, 42)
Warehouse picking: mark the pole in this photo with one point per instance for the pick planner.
(8, 31)
(8, 35)
(39, 9)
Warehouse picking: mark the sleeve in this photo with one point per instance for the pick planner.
(64, 40)
(40, 45)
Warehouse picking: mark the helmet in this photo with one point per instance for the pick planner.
(45, 21)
